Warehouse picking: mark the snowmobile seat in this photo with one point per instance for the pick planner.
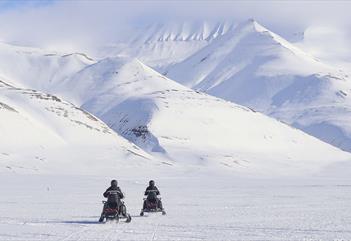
(112, 205)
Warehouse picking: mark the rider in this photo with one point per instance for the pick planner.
(114, 195)
(151, 192)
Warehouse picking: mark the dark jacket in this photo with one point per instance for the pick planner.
(113, 194)
(150, 189)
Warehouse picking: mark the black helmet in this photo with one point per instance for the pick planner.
(152, 183)
(114, 183)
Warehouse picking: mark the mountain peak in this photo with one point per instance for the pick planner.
(252, 25)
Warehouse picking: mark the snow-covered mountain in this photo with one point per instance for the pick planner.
(171, 122)
(162, 44)
(40, 132)
(254, 67)
(174, 122)
(38, 69)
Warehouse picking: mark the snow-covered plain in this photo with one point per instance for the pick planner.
(222, 207)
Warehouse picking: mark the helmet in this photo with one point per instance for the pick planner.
(152, 183)
(114, 183)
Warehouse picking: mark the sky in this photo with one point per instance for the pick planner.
(82, 25)
(6, 5)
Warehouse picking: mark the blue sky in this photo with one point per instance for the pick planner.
(12, 5)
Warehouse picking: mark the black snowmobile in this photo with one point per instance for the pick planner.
(152, 203)
(114, 210)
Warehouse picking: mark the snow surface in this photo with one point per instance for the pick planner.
(200, 206)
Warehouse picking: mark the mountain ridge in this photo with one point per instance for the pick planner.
(257, 68)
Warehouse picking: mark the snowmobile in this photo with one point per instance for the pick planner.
(114, 211)
(151, 204)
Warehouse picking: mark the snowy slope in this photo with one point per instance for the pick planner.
(42, 133)
(254, 67)
(131, 97)
(38, 69)
(161, 44)
(194, 129)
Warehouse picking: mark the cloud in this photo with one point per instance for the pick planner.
(83, 25)
(329, 43)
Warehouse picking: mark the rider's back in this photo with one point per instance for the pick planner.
(152, 189)
(113, 194)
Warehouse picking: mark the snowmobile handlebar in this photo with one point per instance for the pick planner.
(151, 191)
(103, 201)
(159, 198)
(114, 191)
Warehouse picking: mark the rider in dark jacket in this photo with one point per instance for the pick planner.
(114, 195)
(152, 187)
(151, 192)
